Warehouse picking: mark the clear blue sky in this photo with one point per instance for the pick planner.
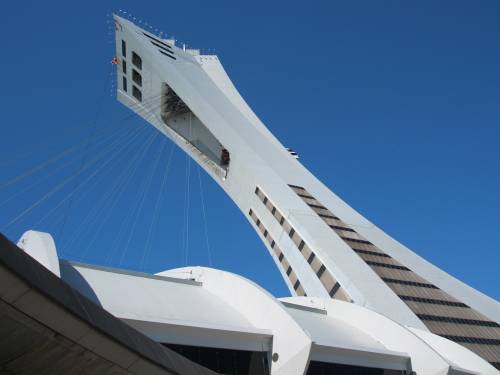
(392, 104)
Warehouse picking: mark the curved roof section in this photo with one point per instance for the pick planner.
(333, 339)
(155, 298)
(197, 304)
(430, 354)
(213, 308)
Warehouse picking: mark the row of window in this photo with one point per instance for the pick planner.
(292, 277)
(447, 319)
(356, 240)
(432, 301)
(342, 228)
(370, 252)
(136, 59)
(472, 340)
(386, 265)
(406, 284)
(136, 76)
(324, 275)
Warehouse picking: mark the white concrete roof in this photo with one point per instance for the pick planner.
(206, 312)
(333, 339)
(208, 307)
(160, 299)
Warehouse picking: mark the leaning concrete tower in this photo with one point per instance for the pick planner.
(322, 247)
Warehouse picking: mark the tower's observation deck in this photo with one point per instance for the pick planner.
(322, 247)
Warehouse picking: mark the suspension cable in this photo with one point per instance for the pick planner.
(145, 188)
(156, 209)
(55, 189)
(204, 215)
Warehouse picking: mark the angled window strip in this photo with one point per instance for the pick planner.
(441, 313)
(325, 277)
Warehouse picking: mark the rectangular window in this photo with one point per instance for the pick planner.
(296, 285)
(257, 190)
(289, 271)
(124, 67)
(301, 245)
(265, 233)
(311, 258)
(124, 49)
(258, 222)
(291, 233)
(136, 77)
(265, 200)
(282, 220)
(136, 60)
(273, 211)
(272, 244)
(137, 93)
(281, 257)
(124, 84)
(321, 270)
(334, 289)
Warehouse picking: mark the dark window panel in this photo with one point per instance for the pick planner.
(124, 49)
(321, 270)
(137, 93)
(334, 290)
(136, 60)
(301, 245)
(136, 77)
